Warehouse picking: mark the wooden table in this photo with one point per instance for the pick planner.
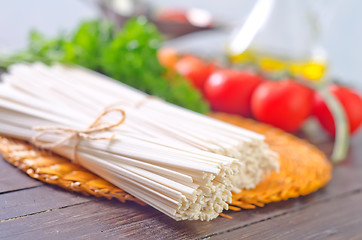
(33, 210)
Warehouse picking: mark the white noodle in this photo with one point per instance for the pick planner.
(180, 162)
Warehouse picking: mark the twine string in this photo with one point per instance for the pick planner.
(78, 134)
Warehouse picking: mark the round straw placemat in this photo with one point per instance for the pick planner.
(303, 168)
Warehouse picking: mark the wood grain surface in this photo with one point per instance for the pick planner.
(30, 209)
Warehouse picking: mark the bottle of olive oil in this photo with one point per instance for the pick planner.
(281, 39)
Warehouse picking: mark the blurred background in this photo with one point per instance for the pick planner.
(331, 28)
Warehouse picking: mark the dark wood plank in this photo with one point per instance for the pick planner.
(86, 221)
(34, 200)
(12, 179)
(112, 220)
(339, 218)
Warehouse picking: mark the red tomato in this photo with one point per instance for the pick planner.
(175, 15)
(167, 57)
(351, 102)
(230, 91)
(284, 104)
(196, 70)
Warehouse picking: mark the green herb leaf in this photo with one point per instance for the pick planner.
(129, 56)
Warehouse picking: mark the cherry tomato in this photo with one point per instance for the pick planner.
(285, 104)
(196, 70)
(167, 57)
(230, 91)
(351, 102)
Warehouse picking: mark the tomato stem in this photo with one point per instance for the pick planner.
(341, 142)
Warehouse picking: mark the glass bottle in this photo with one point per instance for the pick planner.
(281, 38)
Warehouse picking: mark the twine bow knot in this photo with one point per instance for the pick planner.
(96, 127)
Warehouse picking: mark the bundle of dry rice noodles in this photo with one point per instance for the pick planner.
(180, 162)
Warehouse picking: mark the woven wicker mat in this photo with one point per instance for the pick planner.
(303, 168)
